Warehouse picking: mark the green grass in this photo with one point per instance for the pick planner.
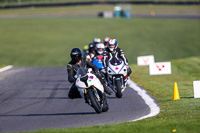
(95, 9)
(183, 114)
(47, 42)
(1, 66)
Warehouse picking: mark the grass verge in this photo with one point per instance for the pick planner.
(2, 66)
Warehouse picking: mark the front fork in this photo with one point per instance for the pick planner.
(95, 94)
(114, 81)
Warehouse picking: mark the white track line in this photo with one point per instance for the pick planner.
(154, 108)
(6, 68)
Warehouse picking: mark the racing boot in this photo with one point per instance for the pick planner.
(104, 83)
(129, 71)
(107, 89)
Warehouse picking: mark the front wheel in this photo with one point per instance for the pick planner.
(95, 104)
(118, 89)
(105, 107)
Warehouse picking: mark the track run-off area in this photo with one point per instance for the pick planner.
(33, 98)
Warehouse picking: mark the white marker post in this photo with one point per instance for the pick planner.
(196, 85)
(160, 68)
(145, 60)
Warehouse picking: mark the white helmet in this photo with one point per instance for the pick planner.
(112, 42)
(106, 41)
(100, 48)
(96, 40)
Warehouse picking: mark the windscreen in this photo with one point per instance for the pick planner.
(116, 61)
(82, 71)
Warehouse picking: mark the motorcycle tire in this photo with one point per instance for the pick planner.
(105, 107)
(118, 89)
(95, 104)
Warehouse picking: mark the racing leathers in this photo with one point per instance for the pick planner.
(119, 53)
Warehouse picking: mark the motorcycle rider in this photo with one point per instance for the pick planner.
(96, 40)
(72, 67)
(90, 52)
(106, 41)
(100, 48)
(114, 51)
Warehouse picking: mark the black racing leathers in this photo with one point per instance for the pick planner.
(119, 53)
(72, 68)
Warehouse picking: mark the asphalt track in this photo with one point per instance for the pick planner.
(33, 98)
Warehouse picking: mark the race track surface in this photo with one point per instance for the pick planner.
(33, 98)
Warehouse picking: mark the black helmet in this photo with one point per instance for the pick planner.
(91, 47)
(76, 54)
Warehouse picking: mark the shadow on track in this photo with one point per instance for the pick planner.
(43, 98)
(55, 88)
(56, 114)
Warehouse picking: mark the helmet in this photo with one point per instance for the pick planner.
(106, 40)
(91, 47)
(100, 48)
(76, 54)
(85, 47)
(111, 43)
(96, 40)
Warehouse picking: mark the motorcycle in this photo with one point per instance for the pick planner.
(91, 89)
(117, 76)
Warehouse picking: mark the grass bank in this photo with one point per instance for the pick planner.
(47, 42)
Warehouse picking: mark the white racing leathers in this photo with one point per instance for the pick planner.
(91, 89)
(117, 75)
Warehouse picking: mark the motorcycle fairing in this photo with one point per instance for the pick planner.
(92, 80)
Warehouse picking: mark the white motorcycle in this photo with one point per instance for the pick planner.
(117, 75)
(91, 89)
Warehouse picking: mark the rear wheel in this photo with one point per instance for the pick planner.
(118, 89)
(95, 104)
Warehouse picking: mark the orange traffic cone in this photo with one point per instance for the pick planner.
(176, 93)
